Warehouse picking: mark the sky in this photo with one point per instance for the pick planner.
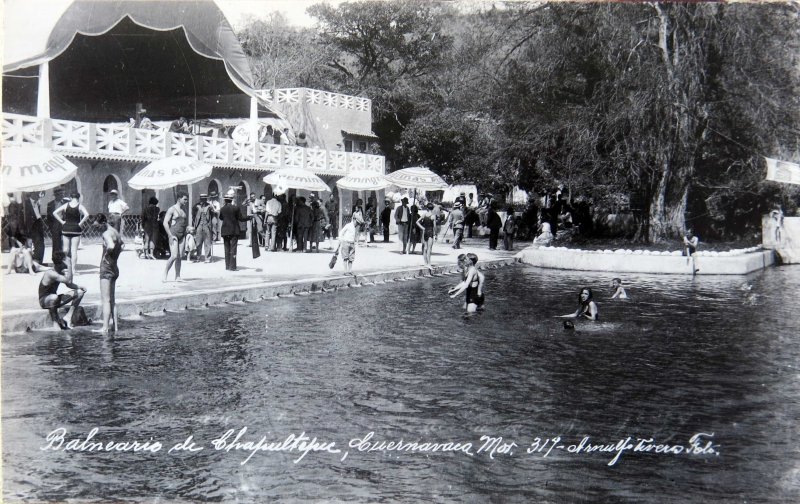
(236, 10)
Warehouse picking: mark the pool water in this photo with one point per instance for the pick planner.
(713, 355)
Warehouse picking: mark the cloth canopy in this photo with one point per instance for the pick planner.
(454, 191)
(181, 56)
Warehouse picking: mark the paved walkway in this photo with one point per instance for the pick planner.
(141, 279)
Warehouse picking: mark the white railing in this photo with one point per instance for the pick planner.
(75, 138)
(317, 97)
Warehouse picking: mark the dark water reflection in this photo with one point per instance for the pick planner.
(714, 355)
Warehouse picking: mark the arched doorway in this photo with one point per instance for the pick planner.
(214, 187)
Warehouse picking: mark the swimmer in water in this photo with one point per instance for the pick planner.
(586, 307)
(472, 284)
(619, 290)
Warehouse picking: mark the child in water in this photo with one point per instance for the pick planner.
(619, 290)
(586, 307)
(472, 283)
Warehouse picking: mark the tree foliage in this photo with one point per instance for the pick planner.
(671, 105)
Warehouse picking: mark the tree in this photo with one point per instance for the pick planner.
(383, 50)
(284, 56)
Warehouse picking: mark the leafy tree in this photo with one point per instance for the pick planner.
(282, 55)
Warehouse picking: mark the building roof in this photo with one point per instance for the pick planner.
(205, 26)
(177, 53)
(360, 134)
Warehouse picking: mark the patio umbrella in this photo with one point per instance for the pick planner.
(417, 177)
(295, 178)
(32, 168)
(363, 180)
(169, 172)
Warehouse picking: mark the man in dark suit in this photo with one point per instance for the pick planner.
(33, 224)
(230, 216)
(386, 218)
(303, 219)
(53, 223)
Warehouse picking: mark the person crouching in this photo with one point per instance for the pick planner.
(50, 300)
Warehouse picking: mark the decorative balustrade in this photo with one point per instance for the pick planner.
(132, 144)
(315, 96)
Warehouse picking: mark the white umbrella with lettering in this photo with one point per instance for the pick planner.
(170, 172)
(295, 178)
(363, 180)
(31, 168)
(417, 177)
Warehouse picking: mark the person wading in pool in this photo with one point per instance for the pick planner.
(587, 309)
(50, 300)
(619, 290)
(175, 223)
(472, 284)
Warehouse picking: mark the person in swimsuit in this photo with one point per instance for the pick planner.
(175, 223)
(586, 307)
(71, 215)
(690, 243)
(109, 269)
(50, 300)
(426, 226)
(21, 260)
(619, 290)
(472, 284)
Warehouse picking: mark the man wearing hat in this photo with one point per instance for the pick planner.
(402, 217)
(213, 200)
(53, 223)
(386, 218)
(116, 205)
(203, 221)
(230, 216)
(456, 219)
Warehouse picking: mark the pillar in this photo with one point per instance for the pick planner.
(43, 101)
(253, 119)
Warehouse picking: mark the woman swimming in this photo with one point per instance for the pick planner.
(586, 307)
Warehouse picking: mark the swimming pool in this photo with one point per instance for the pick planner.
(711, 355)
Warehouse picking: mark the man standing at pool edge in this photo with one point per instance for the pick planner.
(230, 216)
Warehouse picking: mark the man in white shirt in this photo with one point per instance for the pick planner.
(213, 198)
(271, 223)
(116, 205)
(347, 246)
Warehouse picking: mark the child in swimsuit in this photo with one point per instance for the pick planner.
(619, 290)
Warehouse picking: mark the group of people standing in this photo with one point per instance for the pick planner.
(273, 224)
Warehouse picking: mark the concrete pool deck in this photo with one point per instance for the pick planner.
(140, 290)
